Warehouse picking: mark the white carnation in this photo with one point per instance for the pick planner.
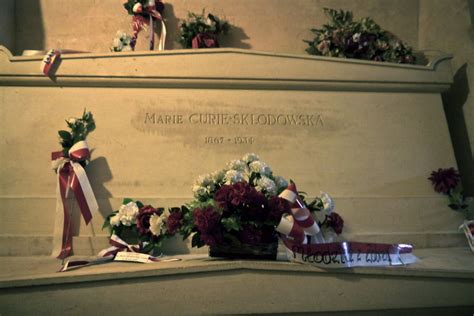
(281, 183)
(328, 203)
(238, 165)
(234, 176)
(127, 213)
(200, 191)
(157, 224)
(115, 220)
(218, 176)
(250, 157)
(266, 185)
(72, 121)
(260, 167)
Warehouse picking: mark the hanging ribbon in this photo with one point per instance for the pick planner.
(118, 247)
(71, 176)
(140, 22)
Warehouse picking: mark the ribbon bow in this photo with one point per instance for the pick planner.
(71, 176)
(139, 21)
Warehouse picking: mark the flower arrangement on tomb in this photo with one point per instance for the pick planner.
(122, 42)
(363, 39)
(448, 182)
(142, 226)
(144, 14)
(236, 210)
(202, 31)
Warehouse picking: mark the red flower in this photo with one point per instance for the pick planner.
(174, 221)
(143, 218)
(277, 207)
(335, 221)
(204, 40)
(206, 220)
(444, 180)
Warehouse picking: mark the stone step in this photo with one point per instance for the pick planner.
(442, 282)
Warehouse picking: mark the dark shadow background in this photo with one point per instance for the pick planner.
(29, 28)
(454, 100)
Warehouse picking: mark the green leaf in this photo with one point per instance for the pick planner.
(231, 223)
(65, 135)
(126, 201)
(196, 241)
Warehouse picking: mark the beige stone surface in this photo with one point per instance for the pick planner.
(372, 149)
(443, 278)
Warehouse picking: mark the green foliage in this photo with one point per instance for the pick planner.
(231, 223)
(201, 23)
(343, 37)
(79, 129)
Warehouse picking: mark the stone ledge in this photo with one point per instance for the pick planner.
(439, 284)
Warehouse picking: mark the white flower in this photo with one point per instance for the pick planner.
(200, 191)
(115, 220)
(266, 185)
(260, 167)
(72, 121)
(218, 176)
(281, 183)
(127, 213)
(204, 180)
(233, 176)
(209, 21)
(157, 224)
(250, 157)
(356, 37)
(137, 8)
(328, 203)
(238, 165)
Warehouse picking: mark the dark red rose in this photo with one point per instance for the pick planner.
(444, 180)
(174, 221)
(250, 234)
(223, 196)
(143, 218)
(206, 220)
(277, 207)
(335, 221)
(204, 40)
(241, 192)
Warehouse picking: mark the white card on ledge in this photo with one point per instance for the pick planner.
(132, 257)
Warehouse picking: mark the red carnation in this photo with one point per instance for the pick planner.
(143, 218)
(174, 221)
(444, 180)
(335, 221)
(206, 220)
(277, 207)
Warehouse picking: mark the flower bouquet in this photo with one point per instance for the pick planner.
(364, 39)
(201, 31)
(69, 165)
(448, 182)
(142, 227)
(236, 210)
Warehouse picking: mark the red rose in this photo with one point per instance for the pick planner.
(174, 221)
(206, 220)
(335, 221)
(204, 40)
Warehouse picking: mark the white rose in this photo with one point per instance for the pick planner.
(233, 176)
(250, 157)
(266, 185)
(72, 121)
(328, 203)
(200, 191)
(137, 8)
(127, 213)
(218, 176)
(156, 224)
(356, 37)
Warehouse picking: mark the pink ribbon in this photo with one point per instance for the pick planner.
(71, 176)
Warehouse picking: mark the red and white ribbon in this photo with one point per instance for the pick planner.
(118, 246)
(52, 59)
(71, 176)
(140, 22)
(350, 254)
(301, 214)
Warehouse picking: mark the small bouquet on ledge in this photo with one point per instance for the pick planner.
(142, 227)
(237, 211)
(122, 42)
(69, 165)
(201, 31)
(364, 39)
(145, 14)
(448, 182)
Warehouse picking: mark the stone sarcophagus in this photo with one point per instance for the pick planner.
(368, 133)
